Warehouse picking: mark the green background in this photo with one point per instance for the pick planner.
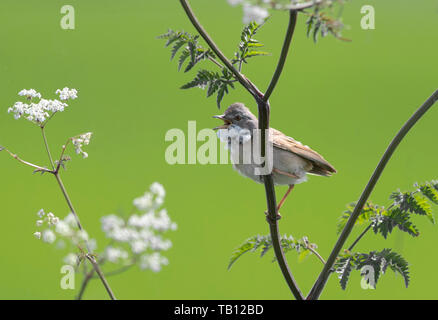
(344, 99)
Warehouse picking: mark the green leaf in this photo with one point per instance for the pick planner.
(395, 218)
(368, 212)
(263, 244)
(430, 191)
(248, 44)
(407, 201)
(344, 267)
(379, 261)
(183, 57)
(250, 244)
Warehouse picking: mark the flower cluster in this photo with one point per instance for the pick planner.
(80, 141)
(66, 93)
(251, 12)
(62, 232)
(40, 111)
(139, 237)
(135, 240)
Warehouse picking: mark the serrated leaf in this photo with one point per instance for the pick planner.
(183, 57)
(175, 48)
(344, 272)
(430, 192)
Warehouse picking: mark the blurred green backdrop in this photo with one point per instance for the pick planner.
(345, 100)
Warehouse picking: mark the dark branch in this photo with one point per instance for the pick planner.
(325, 273)
(240, 77)
(264, 110)
(283, 55)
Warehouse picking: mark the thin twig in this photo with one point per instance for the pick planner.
(47, 148)
(320, 283)
(87, 278)
(101, 276)
(38, 168)
(283, 55)
(359, 237)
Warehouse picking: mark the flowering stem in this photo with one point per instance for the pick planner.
(47, 148)
(88, 255)
(78, 222)
(87, 278)
(101, 276)
(320, 283)
(264, 110)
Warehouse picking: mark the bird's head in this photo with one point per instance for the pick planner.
(239, 115)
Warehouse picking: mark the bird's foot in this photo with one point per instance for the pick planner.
(269, 218)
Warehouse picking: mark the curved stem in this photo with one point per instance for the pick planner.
(325, 273)
(283, 55)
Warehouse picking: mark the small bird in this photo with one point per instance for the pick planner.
(291, 159)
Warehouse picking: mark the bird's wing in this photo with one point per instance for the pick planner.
(320, 165)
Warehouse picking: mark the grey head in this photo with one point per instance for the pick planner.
(239, 115)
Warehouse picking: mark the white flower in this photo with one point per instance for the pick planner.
(111, 222)
(67, 93)
(144, 202)
(138, 246)
(36, 112)
(37, 235)
(31, 93)
(115, 254)
(49, 236)
(153, 261)
(71, 259)
(70, 220)
(254, 13)
(63, 228)
(82, 235)
(41, 213)
(158, 189)
(39, 223)
(80, 141)
(234, 2)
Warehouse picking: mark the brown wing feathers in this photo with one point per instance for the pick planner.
(320, 165)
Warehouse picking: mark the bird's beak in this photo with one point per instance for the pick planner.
(226, 122)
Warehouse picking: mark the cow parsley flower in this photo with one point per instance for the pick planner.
(29, 94)
(80, 141)
(67, 93)
(234, 2)
(139, 237)
(40, 111)
(254, 13)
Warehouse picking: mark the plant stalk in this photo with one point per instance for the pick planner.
(320, 283)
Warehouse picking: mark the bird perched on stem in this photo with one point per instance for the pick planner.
(291, 160)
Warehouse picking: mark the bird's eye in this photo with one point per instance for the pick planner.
(238, 118)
